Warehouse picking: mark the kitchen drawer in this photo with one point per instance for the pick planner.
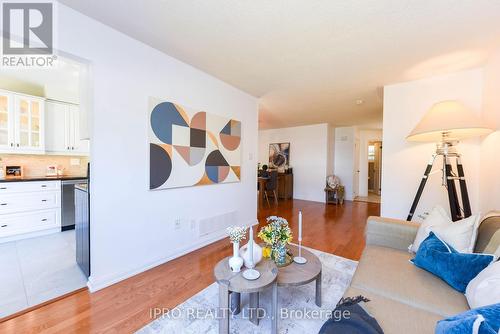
(28, 186)
(29, 222)
(26, 201)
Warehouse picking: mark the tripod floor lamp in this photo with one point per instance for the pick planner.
(445, 124)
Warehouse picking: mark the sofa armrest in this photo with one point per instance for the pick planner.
(388, 232)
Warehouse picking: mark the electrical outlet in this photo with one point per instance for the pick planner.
(177, 224)
(74, 162)
(193, 224)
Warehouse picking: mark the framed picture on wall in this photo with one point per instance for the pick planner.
(279, 155)
(189, 147)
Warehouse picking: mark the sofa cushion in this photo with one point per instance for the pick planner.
(488, 237)
(456, 269)
(395, 317)
(389, 273)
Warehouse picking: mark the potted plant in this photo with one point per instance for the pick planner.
(277, 235)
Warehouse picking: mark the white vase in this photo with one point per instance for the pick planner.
(245, 254)
(236, 262)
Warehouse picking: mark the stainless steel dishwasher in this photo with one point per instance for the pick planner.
(68, 203)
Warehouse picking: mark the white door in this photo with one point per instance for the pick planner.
(378, 171)
(56, 116)
(355, 187)
(6, 122)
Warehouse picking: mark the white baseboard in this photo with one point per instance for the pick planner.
(101, 283)
(310, 200)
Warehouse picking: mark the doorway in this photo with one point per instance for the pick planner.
(374, 167)
(373, 173)
(44, 113)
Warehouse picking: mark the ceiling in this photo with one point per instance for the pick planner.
(60, 83)
(310, 61)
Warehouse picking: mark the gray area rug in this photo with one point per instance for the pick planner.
(297, 312)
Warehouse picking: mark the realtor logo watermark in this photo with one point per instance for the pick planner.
(28, 34)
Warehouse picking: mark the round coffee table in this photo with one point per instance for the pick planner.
(299, 274)
(230, 282)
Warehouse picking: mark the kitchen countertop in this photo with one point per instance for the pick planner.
(45, 178)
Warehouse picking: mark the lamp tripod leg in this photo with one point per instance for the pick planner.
(421, 187)
(452, 192)
(463, 189)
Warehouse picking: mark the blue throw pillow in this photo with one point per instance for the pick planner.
(456, 269)
(482, 320)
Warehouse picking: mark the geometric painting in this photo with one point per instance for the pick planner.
(191, 148)
(279, 155)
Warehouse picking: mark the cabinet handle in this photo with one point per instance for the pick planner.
(3, 188)
(3, 204)
(3, 225)
(72, 148)
(18, 145)
(44, 186)
(11, 144)
(44, 219)
(44, 200)
(67, 148)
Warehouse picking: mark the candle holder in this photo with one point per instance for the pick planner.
(299, 259)
(251, 273)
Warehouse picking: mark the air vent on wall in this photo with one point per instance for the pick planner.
(216, 223)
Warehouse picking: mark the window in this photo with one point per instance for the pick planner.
(371, 152)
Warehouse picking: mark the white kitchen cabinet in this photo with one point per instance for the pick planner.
(78, 145)
(27, 201)
(21, 225)
(21, 123)
(55, 124)
(6, 121)
(63, 129)
(28, 209)
(31, 186)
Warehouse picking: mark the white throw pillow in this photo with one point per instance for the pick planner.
(460, 235)
(484, 289)
(437, 216)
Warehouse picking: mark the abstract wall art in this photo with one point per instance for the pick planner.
(279, 155)
(191, 148)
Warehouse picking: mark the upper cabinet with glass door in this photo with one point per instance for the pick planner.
(6, 122)
(21, 123)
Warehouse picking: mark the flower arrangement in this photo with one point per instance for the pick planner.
(236, 233)
(276, 234)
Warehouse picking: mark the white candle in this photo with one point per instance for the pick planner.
(300, 225)
(250, 247)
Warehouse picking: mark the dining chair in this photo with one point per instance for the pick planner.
(272, 185)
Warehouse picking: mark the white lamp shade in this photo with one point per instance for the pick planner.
(451, 118)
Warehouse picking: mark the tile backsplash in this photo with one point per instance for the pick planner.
(36, 165)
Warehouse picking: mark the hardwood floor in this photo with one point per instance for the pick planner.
(125, 306)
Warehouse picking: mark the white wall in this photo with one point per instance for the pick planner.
(490, 157)
(345, 140)
(403, 163)
(132, 227)
(365, 137)
(308, 157)
(330, 162)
